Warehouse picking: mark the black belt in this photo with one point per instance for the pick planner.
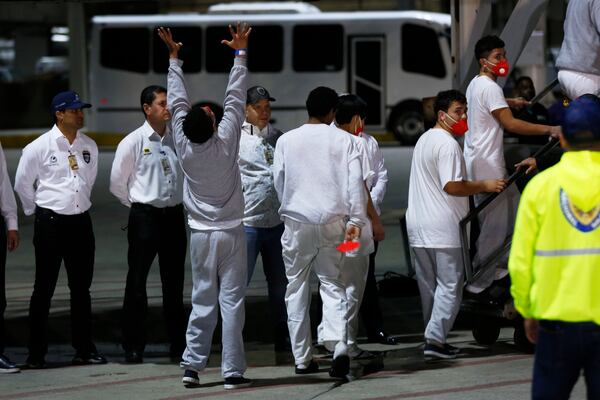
(151, 208)
(41, 211)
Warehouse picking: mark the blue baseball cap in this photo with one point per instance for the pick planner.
(67, 100)
(581, 121)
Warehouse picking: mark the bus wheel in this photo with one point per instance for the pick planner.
(486, 331)
(521, 341)
(406, 123)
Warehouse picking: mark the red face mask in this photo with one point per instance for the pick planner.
(501, 68)
(460, 127)
(359, 129)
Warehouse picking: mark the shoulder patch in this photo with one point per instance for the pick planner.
(581, 220)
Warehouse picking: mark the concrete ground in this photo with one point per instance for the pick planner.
(399, 372)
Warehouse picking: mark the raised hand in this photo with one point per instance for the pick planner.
(239, 37)
(167, 37)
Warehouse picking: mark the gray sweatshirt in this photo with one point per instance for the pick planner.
(212, 188)
(580, 50)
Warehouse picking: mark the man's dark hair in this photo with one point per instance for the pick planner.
(348, 106)
(444, 100)
(321, 101)
(486, 44)
(149, 94)
(198, 125)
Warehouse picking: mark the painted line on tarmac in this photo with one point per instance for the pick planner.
(462, 389)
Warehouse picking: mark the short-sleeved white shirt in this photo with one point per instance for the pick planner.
(433, 215)
(484, 146)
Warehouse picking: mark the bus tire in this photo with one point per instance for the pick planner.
(406, 122)
(486, 331)
(521, 342)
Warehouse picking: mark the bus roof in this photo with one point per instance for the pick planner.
(442, 19)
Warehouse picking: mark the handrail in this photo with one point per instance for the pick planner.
(464, 237)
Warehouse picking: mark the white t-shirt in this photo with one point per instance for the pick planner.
(318, 176)
(484, 146)
(433, 215)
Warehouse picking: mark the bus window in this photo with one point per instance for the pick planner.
(190, 53)
(421, 51)
(128, 58)
(265, 49)
(318, 48)
(219, 57)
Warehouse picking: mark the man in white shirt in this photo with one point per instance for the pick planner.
(9, 239)
(262, 223)
(213, 198)
(319, 183)
(54, 180)
(349, 117)
(146, 176)
(437, 201)
(489, 115)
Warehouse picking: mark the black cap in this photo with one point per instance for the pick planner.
(256, 93)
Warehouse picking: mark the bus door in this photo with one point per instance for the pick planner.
(367, 77)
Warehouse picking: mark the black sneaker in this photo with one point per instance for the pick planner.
(236, 382)
(35, 363)
(340, 367)
(133, 357)
(190, 379)
(312, 368)
(452, 349)
(433, 352)
(89, 358)
(6, 366)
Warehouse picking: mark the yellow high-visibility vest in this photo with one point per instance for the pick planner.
(555, 256)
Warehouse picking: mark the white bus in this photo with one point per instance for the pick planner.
(391, 59)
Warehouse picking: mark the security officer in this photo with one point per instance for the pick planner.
(555, 258)
(9, 239)
(146, 177)
(54, 180)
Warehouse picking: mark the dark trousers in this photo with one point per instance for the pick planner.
(57, 238)
(370, 311)
(153, 231)
(563, 350)
(267, 242)
(2, 282)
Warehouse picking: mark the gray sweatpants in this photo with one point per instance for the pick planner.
(309, 247)
(440, 277)
(219, 269)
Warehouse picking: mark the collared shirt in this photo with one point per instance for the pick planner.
(8, 204)
(378, 183)
(257, 149)
(57, 175)
(146, 170)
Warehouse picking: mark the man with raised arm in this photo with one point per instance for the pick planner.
(212, 195)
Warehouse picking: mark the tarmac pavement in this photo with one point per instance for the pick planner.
(399, 372)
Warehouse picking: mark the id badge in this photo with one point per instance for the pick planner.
(73, 162)
(166, 166)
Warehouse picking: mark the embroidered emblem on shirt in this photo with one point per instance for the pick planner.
(86, 156)
(584, 221)
(147, 151)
